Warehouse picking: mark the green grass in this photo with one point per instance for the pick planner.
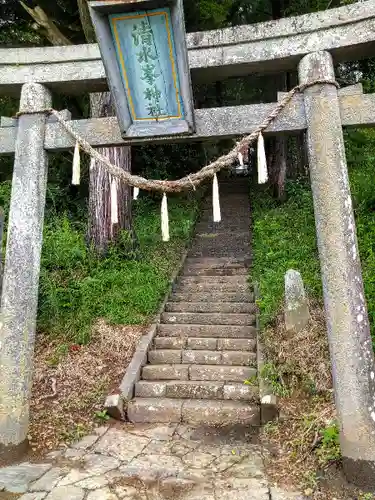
(76, 287)
(283, 238)
(284, 234)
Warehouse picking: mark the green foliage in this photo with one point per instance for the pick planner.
(76, 287)
(329, 448)
(283, 238)
(284, 234)
(102, 415)
(273, 378)
(360, 147)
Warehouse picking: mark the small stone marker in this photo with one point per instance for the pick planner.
(297, 313)
(114, 405)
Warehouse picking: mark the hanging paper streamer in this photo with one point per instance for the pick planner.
(76, 175)
(164, 219)
(215, 200)
(262, 162)
(114, 205)
(240, 159)
(135, 193)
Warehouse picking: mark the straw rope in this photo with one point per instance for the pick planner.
(192, 180)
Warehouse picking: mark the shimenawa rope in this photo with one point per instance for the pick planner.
(190, 181)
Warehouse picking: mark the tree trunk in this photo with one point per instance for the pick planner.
(101, 231)
(281, 154)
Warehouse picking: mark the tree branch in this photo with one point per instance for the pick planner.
(85, 17)
(49, 29)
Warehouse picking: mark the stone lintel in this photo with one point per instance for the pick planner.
(273, 46)
(211, 123)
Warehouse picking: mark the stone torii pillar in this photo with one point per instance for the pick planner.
(345, 306)
(21, 274)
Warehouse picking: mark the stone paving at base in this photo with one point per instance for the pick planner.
(165, 462)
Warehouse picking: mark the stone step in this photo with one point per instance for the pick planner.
(207, 307)
(213, 297)
(208, 319)
(201, 357)
(236, 245)
(214, 261)
(205, 344)
(193, 411)
(223, 373)
(212, 287)
(214, 280)
(196, 390)
(209, 229)
(213, 331)
(215, 271)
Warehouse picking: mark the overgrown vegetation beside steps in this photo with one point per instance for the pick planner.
(305, 440)
(93, 311)
(77, 288)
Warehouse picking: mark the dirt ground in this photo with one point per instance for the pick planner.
(304, 452)
(71, 382)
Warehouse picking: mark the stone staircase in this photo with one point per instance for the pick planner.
(205, 346)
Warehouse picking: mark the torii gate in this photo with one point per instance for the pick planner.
(313, 43)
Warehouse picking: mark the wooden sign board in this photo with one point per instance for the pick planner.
(144, 53)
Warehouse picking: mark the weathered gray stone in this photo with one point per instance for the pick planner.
(207, 307)
(205, 344)
(65, 492)
(152, 467)
(236, 344)
(165, 372)
(49, 480)
(201, 357)
(169, 343)
(207, 412)
(75, 454)
(86, 442)
(297, 314)
(121, 445)
(74, 476)
(93, 483)
(156, 432)
(278, 494)
(144, 410)
(221, 373)
(195, 390)
(240, 392)
(211, 122)
(212, 331)
(153, 389)
(214, 296)
(134, 370)
(217, 54)
(100, 464)
(239, 488)
(34, 496)
(19, 298)
(17, 479)
(346, 312)
(198, 460)
(168, 356)
(239, 358)
(248, 467)
(114, 404)
(208, 319)
(102, 494)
